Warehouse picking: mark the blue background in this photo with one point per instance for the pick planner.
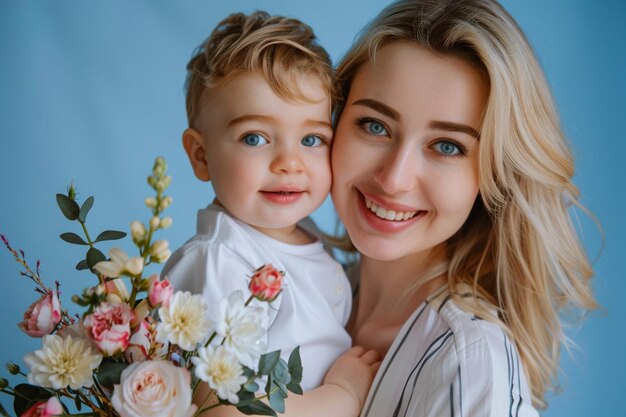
(93, 91)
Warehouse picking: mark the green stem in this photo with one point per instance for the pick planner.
(82, 224)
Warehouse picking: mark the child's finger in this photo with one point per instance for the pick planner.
(356, 351)
(370, 356)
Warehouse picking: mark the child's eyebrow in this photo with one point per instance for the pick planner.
(263, 118)
(250, 117)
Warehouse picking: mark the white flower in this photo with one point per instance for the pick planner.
(153, 389)
(185, 321)
(119, 264)
(63, 362)
(242, 329)
(221, 370)
(151, 202)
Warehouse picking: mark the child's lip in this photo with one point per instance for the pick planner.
(283, 189)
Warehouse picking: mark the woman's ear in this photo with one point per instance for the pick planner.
(194, 146)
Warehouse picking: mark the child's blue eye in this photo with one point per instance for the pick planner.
(312, 141)
(254, 139)
(374, 127)
(447, 148)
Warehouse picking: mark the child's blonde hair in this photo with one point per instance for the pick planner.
(518, 249)
(279, 48)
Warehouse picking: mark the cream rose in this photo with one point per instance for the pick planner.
(153, 388)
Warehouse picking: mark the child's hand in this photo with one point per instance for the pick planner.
(354, 372)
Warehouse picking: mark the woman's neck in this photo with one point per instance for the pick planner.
(384, 301)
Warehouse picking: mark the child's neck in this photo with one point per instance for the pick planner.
(292, 235)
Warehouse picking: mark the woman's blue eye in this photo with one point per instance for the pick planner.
(375, 128)
(311, 141)
(254, 139)
(447, 148)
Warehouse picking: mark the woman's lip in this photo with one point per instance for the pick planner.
(383, 225)
(387, 205)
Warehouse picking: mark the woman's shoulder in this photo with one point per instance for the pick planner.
(487, 359)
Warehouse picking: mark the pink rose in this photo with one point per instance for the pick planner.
(266, 283)
(109, 327)
(42, 316)
(49, 408)
(153, 388)
(160, 292)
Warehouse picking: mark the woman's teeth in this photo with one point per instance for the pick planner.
(388, 214)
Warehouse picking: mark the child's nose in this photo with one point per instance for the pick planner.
(287, 161)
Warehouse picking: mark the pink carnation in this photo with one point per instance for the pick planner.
(109, 327)
(49, 408)
(266, 283)
(42, 316)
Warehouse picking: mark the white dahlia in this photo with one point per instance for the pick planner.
(221, 370)
(62, 362)
(185, 321)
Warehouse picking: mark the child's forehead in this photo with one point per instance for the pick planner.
(249, 96)
(296, 87)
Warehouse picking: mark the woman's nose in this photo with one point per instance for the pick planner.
(287, 160)
(399, 171)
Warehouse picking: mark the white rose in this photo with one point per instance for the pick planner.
(153, 388)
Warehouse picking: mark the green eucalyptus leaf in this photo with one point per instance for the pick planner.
(277, 401)
(70, 237)
(295, 388)
(245, 397)
(109, 235)
(256, 407)
(281, 372)
(84, 210)
(251, 387)
(68, 207)
(295, 366)
(268, 362)
(109, 373)
(82, 265)
(27, 395)
(94, 256)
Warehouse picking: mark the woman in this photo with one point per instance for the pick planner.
(453, 180)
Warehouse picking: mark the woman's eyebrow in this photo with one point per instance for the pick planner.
(454, 127)
(379, 107)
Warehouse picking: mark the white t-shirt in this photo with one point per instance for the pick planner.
(447, 362)
(312, 309)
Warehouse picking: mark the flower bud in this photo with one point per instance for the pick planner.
(3, 383)
(151, 202)
(13, 368)
(165, 222)
(167, 180)
(154, 223)
(138, 231)
(165, 203)
(159, 251)
(134, 265)
(160, 186)
(266, 283)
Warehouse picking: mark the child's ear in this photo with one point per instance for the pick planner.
(194, 146)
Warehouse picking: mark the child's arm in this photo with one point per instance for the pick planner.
(342, 394)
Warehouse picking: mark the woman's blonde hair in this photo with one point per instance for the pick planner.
(281, 49)
(518, 249)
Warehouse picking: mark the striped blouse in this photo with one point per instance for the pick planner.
(447, 362)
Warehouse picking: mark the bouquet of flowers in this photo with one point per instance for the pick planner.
(145, 352)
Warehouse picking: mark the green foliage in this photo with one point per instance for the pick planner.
(68, 207)
(27, 395)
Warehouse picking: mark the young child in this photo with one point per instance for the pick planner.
(259, 108)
